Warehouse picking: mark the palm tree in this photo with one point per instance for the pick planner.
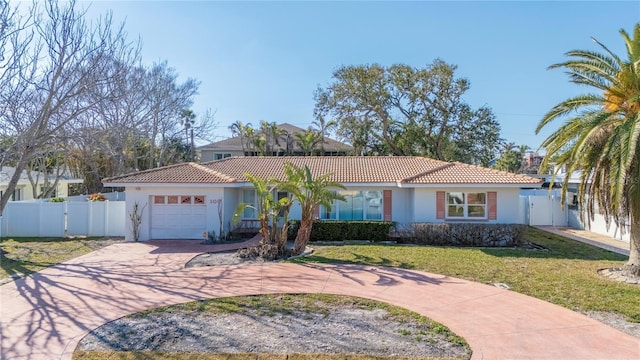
(271, 134)
(239, 129)
(275, 133)
(187, 119)
(310, 192)
(603, 137)
(250, 138)
(323, 127)
(307, 141)
(508, 146)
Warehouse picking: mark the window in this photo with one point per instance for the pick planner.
(158, 199)
(249, 198)
(16, 196)
(218, 156)
(198, 199)
(466, 205)
(358, 205)
(41, 189)
(279, 196)
(172, 199)
(185, 199)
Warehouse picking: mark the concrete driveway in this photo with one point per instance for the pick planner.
(43, 316)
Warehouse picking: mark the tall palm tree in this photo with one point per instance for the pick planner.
(271, 134)
(307, 140)
(240, 130)
(310, 192)
(323, 127)
(187, 119)
(275, 134)
(250, 136)
(509, 146)
(601, 134)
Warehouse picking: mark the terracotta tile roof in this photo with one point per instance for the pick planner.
(460, 173)
(185, 173)
(344, 169)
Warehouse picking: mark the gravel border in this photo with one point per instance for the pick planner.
(347, 330)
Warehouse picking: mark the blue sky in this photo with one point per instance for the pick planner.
(263, 60)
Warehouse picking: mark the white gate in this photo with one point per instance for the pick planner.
(545, 210)
(39, 218)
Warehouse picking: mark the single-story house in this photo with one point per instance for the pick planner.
(286, 144)
(182, 201)
(24, 188)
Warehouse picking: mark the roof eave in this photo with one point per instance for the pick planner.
(172, 185)
(471, 185)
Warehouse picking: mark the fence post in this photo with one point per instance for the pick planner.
(39, 218)
(106, 218)
(90, 217)
(65, 218)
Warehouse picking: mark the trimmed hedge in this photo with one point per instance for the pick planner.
(462, 234)
(337, 230)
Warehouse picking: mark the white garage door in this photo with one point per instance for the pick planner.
(178, 217)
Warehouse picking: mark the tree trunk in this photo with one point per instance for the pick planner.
(304, 233)
(264, 230)
(632, 267)
(11, 186)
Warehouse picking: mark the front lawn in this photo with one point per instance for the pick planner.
(28, 255)
(564, 274)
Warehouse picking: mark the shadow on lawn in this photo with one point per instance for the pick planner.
(555, 247)
(12, 267)
(359, 259)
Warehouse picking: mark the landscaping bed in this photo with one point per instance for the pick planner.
(279, 324)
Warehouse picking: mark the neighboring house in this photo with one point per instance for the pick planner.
(531, 162)
(24, 189)
(286, 144)
(182, 201)
(598, 224)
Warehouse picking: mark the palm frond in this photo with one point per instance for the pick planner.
(570, 105)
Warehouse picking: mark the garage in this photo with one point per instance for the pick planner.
(178, 216)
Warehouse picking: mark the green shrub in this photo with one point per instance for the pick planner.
(337, 230)
(462, 234)
(56, 199)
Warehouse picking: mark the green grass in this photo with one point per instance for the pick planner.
(124, 355)
(564, 274)
(29, 255)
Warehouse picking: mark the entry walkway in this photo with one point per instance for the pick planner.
(43, 316)
(591, 238)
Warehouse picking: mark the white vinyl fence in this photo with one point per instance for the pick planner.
(36, 219)
(541, 207)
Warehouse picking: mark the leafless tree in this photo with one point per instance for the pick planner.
(57, 60)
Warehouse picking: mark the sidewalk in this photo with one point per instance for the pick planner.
(591, 238)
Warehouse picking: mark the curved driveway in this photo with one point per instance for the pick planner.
(43, 316)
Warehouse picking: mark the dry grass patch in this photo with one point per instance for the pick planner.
(98, 355)
(28, 255)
